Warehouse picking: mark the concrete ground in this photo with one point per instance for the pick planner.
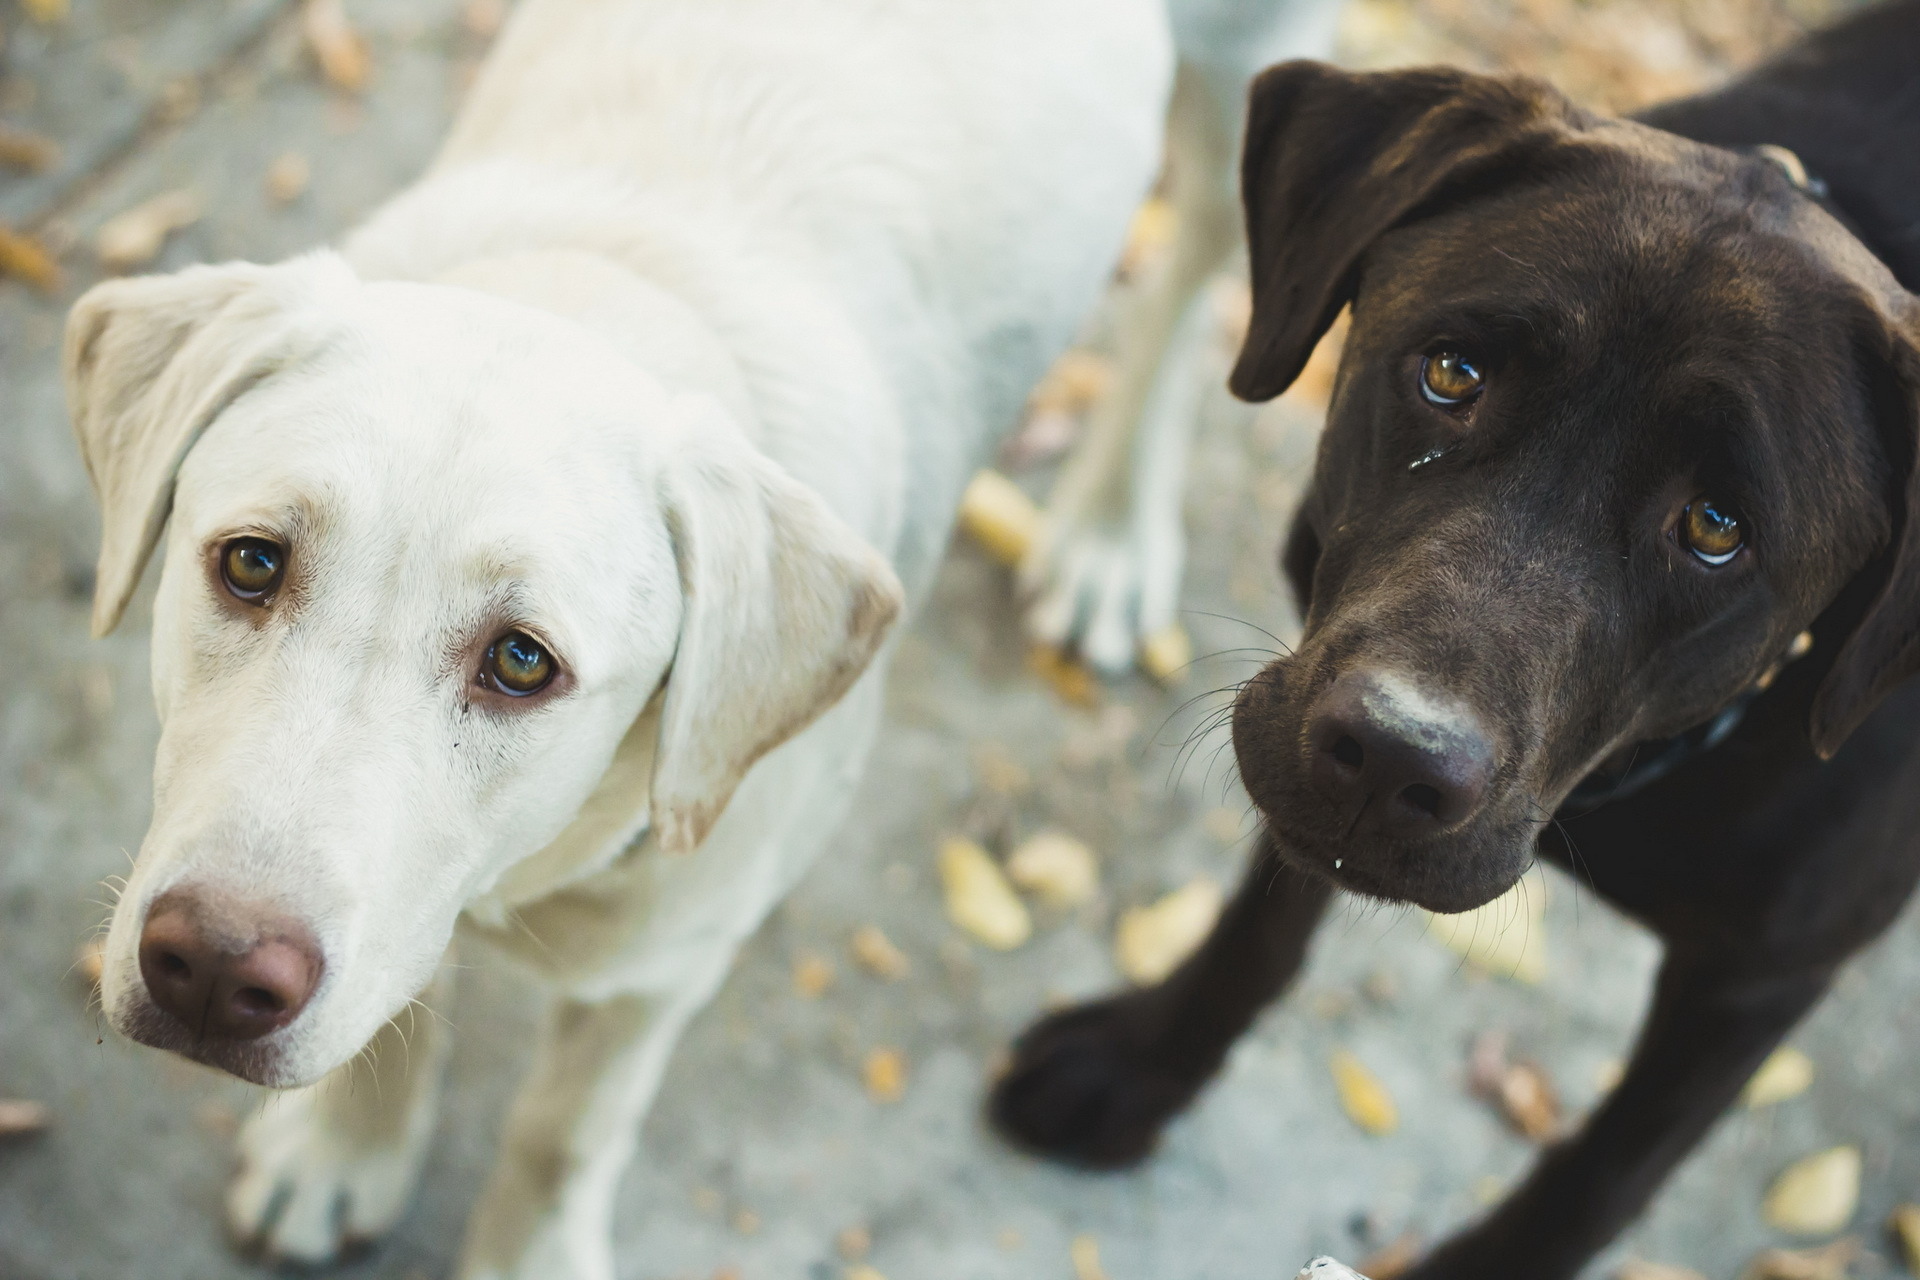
(764, 1145)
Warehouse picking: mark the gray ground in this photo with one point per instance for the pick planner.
(764, 1145)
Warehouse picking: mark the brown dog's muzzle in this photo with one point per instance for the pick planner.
(1396, 760)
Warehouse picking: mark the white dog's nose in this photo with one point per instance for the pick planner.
(225, 970)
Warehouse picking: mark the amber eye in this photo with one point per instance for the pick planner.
(1449, 379)
(1711, 530)
(518, 664)
(252, 568)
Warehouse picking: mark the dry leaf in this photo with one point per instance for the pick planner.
(863, 1272)
(1167, 654)
(1529, 1102)
(340, 51)
(1085, 1252)
(19, 1116)
(1075, 384)
(812, 975)
(1506, 936)
(1905, 1226)
(132, 239)
(1635, 1269)
(979, 899)
(1056, 868)
(1392, 1260)
(1151, 941)
(28, 152)
(1787, 1073)
(875, 952)
(999, 515)
(885, 1073)
(45, 11)
(1829, 1262)
(287, 177)
(24, 258)
(1071, 679)
(853, 1243)
(1149, 236)
(1362, 1096)
(1816, 1196)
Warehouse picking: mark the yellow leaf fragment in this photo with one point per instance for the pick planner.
(26, 151)
(885, 1074)
(1527, 1097)
(1085, 1252)
(1905, 1226)
(19, 1116)
(1071, 679)
(863, 1272)
(853, 1243)
(1075, 383)
(1393, 1259)
(1787, 1073)
(1817, 1195)
(812, 975)
(1506, 937)
(130, 240)
(1167, 654)
(340, 51)
(1150, 235)
(1635, 1269)
(1150, 942)
(874, 951)
(999, 515)
(287, 177)
(979, 899)
(45, 11)
(1362, 1096)
(25, 258)
(1828, 1262)
(1056, 868)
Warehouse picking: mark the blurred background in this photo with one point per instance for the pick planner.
(822, 1119)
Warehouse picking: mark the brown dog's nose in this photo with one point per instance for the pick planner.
(226, 972)
(1399, 759)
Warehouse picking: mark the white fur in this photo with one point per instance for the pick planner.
(679, 356)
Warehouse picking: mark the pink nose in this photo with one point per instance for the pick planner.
(226, 971)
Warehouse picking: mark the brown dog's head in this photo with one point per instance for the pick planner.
(1619, 416)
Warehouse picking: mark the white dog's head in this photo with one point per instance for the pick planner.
(431, 555)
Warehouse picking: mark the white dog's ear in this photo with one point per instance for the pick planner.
(784, 606)
(152, 360)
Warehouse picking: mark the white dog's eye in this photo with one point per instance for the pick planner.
(252, 568)
(517, 664)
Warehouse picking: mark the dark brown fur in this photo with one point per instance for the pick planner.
(1658, 317)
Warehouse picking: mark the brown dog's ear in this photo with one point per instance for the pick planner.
(1334, 159)
(1884, 648)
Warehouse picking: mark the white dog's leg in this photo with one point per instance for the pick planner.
(335, 1163)
(1106, 576)
(547, 1211)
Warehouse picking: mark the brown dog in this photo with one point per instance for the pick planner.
(1627, 411)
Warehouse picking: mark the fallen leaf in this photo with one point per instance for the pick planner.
(1155, 224)
(1506, 936)
(1071, 679)
(132, 239)
(997, 514)
(1829, 1262)
(19, 1116)
(875, 952)
(1167, 654)
(979, 899)
(45, 11)
(1635, 1269)
(29, 152)
(24, 258)
(812, 975)
(1085, 1252)
(885, 1073)
(853, 1243)
(1787, 1073)
(1150, 942)
(1075, 383)
(1362, 1096)
(1056, 868)
(863, 1272)
(287, 177)
(1816, 1195)
(1905, 1226)
(340, 51)
(1530, 1103)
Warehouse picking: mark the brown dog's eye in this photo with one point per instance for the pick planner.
(1711, 530)
(1450, 379)
(518, 664)
(252, 568)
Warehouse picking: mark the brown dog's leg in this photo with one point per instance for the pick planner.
(1094, 1084)
(1709, 1029)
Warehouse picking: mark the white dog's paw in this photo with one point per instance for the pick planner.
(1102, 589)
(305, 1193)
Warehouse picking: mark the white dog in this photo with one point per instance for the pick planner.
(530, 561)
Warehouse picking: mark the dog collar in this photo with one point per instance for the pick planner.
(1648, 762)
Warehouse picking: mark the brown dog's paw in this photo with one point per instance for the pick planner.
(1081, 1090)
